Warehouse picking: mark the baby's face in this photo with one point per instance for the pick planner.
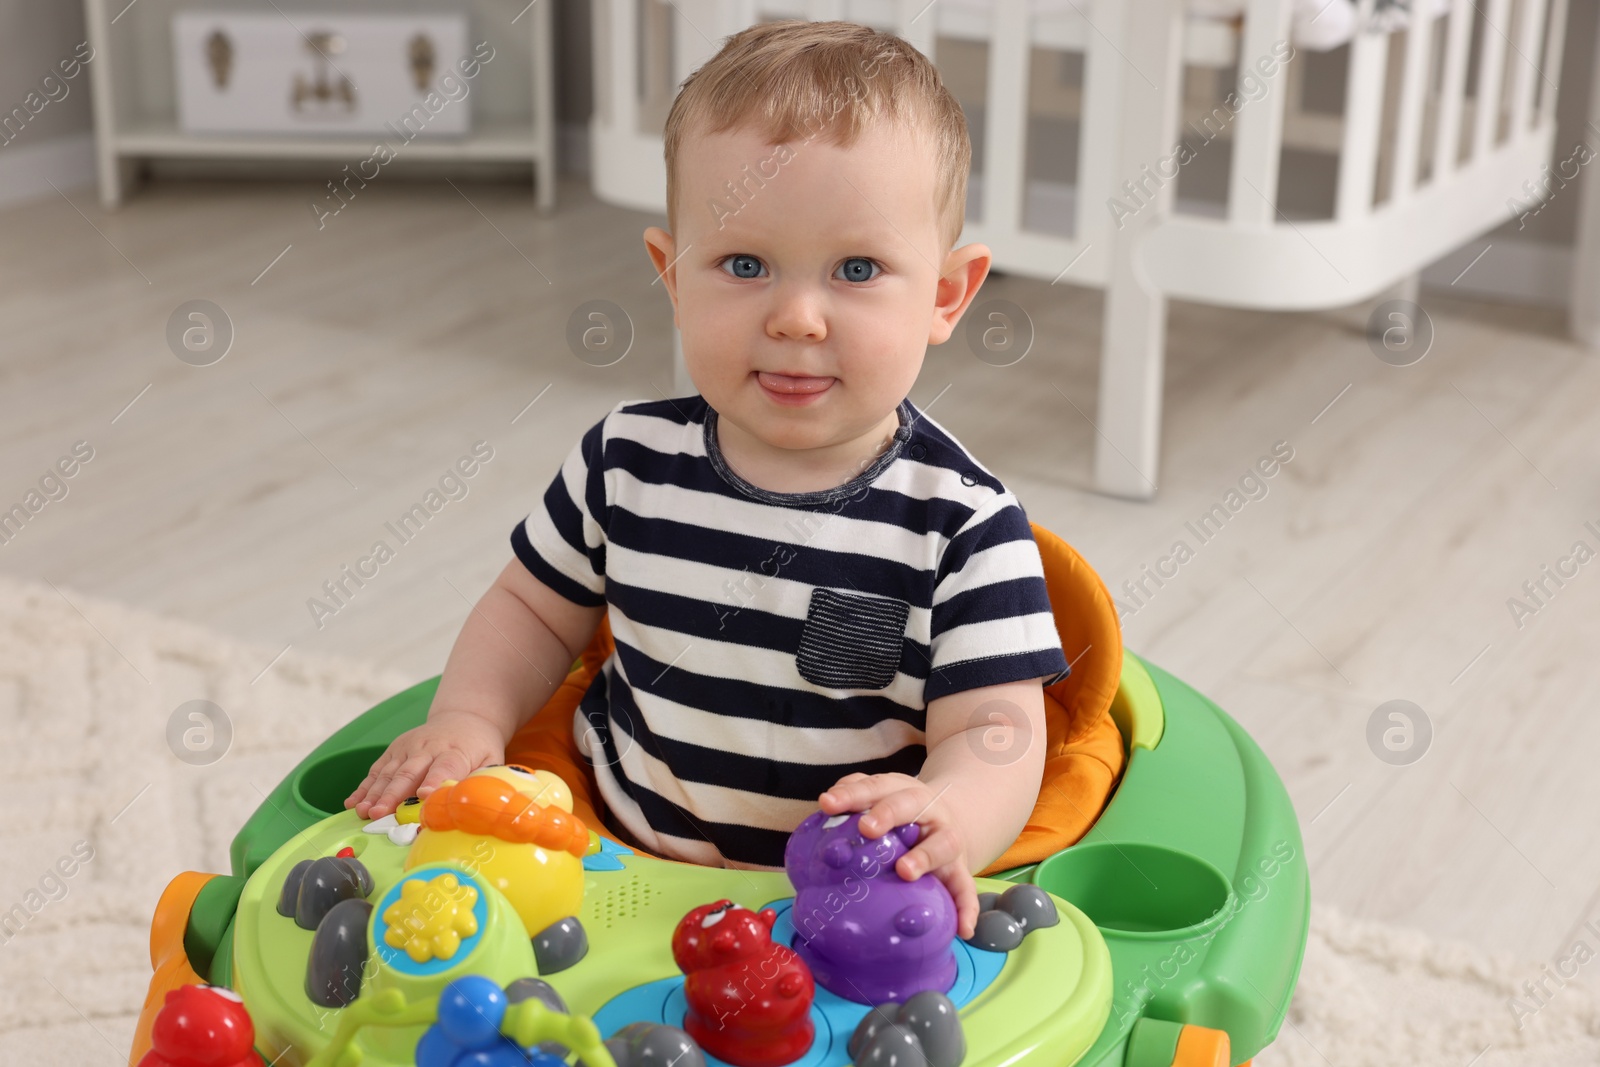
(807, 303)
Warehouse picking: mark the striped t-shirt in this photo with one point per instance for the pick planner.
(767, 644)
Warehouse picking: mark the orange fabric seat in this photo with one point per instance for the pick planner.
(1083, 750)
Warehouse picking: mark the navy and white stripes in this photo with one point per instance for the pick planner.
(770, 643)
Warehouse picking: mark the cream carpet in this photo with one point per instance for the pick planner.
(86, 691)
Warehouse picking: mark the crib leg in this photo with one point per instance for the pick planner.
(1128, 441)
(1128, 425)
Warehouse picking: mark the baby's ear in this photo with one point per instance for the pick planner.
(663, 251)
(965, 269)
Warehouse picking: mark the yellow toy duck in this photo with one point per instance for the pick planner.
(514, 828)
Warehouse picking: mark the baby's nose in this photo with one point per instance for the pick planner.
(798, 315)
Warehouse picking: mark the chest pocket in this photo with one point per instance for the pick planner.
(851, 640)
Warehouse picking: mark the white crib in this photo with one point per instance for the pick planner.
(1427, 158)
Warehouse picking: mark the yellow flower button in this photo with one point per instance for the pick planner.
(431, 917)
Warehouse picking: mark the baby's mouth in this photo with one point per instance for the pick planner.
(792, 383)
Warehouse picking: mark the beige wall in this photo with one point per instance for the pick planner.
(35, 35)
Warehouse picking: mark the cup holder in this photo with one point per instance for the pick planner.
(1138, 890)
(321, 785)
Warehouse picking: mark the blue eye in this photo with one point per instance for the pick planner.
(743, 266)
(857, 269)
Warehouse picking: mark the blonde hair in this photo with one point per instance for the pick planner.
(795, 79)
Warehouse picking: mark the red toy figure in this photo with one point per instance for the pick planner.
(202, 1026)
(749, 999)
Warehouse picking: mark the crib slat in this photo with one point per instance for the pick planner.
(1458, 40)
(1098, 178)
(1258, 130)
(1555, 38)
(1414, 87)
(1527, 65)
(1363, 112)
(1005, 119)
(1491, 67)
(655, 46)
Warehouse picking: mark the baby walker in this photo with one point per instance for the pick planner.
(491, 926)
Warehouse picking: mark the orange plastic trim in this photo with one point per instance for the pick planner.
(171, 963)
(1199, 1046)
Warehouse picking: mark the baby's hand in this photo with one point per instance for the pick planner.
(892, 800)
(421, 759)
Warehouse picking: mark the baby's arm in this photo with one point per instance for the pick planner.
(513, 651)
(976, 790)
(987, 746)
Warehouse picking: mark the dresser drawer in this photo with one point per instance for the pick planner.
(305, 73)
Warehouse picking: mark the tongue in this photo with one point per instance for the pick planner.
(782, 383)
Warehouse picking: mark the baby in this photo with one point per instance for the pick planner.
(819, 598)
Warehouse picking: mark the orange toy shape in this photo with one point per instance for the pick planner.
(531, 852)
(489, 806)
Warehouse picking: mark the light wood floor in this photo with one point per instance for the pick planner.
(374, 353)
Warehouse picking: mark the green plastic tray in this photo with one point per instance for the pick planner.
(1192, 885)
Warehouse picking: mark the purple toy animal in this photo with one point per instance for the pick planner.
(867, 934)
